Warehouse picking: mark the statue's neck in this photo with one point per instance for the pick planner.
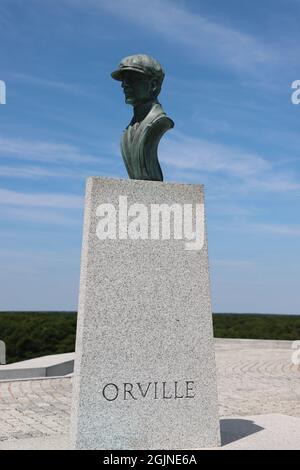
(140, 111)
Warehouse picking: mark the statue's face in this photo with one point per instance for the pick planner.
(138, 88)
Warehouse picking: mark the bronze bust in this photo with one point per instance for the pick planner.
(142, 76)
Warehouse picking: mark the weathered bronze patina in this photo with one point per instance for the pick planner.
(142, 78)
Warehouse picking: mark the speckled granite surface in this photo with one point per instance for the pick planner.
(145, 372)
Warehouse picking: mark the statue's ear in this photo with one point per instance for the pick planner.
(154, 86)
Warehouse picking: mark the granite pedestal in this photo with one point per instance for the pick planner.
(145, 375)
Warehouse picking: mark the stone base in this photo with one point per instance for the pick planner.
(145, 375)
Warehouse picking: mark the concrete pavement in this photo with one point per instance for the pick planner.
(259, 400)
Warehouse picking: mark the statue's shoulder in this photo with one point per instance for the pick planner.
(158, 118)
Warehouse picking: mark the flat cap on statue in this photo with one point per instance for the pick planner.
(142, 63)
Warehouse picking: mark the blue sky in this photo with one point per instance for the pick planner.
(229, 68)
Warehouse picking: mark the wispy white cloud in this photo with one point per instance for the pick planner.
(187, 152)
(233, 263)
(42, 172)
(206, 39)
(73, 88)
(259, 228)
(58, 201)
(274, 182)
(36, 172)
(41, 151)
(45, 216)
(230, 208)
(276, 229)
(250, 172)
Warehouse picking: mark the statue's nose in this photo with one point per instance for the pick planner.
(125, 82)
(126, 86)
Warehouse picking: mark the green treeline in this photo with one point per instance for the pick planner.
(34, 334)
(256, 326)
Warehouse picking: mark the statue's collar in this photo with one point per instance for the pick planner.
(154, 111)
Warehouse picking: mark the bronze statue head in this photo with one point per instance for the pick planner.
(141, 76)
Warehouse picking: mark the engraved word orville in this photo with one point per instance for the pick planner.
(150, 390)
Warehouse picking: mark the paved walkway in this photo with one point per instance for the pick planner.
(34, 408)
(254, 378)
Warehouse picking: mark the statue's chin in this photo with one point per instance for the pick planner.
(133, 102)
(129, 100)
